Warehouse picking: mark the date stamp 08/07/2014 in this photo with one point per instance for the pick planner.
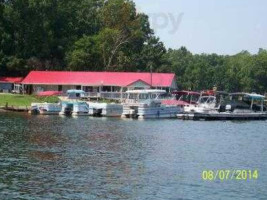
(227, 175)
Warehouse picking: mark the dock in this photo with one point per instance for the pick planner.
(223, 116)
(16, 108)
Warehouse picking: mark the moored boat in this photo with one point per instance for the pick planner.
(143, 104)
(105, 109)
(45, 108)
(207, 102)
(80, 109)
(66, 109)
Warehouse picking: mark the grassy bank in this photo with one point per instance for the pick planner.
(24, 100)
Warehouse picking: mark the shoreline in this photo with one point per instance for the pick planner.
(14, 109)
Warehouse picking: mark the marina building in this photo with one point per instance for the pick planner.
(10, 84)
(96, 82)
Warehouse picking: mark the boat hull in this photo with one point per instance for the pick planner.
(80, 109)
(151, 112)
(105, 109)
(46, 109)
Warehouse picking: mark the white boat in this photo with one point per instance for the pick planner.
(208, 101)
(66, 109)
(46, 108)
(204, 104)
(80, 109)
(74, 108)
(143, 104)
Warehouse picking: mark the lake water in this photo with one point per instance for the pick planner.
(52, 157)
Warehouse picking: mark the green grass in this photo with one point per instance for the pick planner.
(24, 100)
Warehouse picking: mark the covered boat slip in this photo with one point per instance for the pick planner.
(240, 106)
(245, 101)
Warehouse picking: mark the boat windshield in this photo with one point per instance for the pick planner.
(165, 96)
(142, 96)
(190, 98)
(206, 99)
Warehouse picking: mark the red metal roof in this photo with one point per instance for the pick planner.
(97, 78)
(11, 79)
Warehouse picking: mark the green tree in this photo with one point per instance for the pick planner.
(85, 55)
(153, 54)
(238, 71)
(259, 72)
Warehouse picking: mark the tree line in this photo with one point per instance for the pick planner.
(100, 35)
(241, 72)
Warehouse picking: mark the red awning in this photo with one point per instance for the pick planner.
(49, 93)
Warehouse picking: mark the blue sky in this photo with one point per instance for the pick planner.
(209, 26)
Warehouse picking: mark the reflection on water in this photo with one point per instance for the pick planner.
(52, 157)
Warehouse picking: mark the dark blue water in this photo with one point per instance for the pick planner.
(50, 157)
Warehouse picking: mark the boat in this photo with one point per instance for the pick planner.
(182, 98)
(45, 108)
(244, 103)
(187, 97)
(75, 108)
(105, 109)
(239, 106)
(75, 94)
(208, 101)
(80, 109)
(66, 109)
(143, 104)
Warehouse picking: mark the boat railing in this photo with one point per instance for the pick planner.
(107, 95)
(92, 94)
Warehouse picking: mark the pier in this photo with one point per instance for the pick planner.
(223, 116)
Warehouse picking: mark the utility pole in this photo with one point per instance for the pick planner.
(151, 75)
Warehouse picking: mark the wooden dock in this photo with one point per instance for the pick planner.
(16, 108)
(223, 116)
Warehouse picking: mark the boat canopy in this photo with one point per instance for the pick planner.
(256, 96)
(173, 102)
(252, 96)
(146, 91)
(186, 93)
(75, 91)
